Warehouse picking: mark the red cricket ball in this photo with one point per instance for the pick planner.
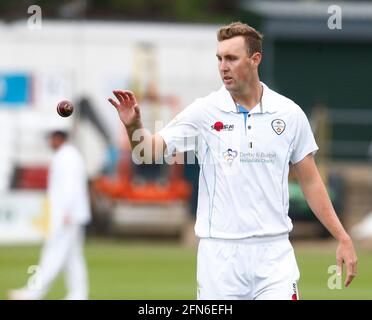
(65, 108)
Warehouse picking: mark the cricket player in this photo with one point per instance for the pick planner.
(245, 136)
(69, 213)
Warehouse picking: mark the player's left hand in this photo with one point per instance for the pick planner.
(345, 254)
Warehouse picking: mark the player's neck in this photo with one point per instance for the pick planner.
(250, 97)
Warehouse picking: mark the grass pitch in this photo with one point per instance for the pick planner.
(153, 270)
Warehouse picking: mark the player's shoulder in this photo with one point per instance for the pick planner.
(69, 151)
(218, 98)
(221, 95)
(283, 103)
(205, 103)
(69, 148)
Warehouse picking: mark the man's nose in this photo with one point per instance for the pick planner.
(223, 66)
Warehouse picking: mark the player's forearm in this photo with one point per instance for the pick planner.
(320, 203)
(136, 134)
(146, 147)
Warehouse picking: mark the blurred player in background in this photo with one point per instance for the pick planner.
(245, 136)
(69, 213)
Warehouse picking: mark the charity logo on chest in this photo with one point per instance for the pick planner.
(278, 126)
(229, 155)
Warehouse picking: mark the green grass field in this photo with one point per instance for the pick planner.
(153, 270)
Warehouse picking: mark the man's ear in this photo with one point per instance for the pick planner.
(256, 58)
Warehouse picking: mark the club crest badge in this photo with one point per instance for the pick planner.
(278, 126)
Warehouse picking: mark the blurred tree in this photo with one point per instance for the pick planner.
(151, 10)
(168, 10)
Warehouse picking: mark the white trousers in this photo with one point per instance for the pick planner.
(63, 251)
(247, 269)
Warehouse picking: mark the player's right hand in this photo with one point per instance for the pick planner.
(127, 107)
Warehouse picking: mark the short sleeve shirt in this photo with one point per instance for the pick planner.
(244, 161)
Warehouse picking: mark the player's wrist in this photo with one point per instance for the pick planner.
(345, 239)
(134, 126)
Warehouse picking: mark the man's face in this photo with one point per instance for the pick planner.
(55, 142)
(236, 68)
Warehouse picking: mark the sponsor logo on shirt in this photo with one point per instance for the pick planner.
(278, 126)
(219, 126)
(294, 288)
(229, 155)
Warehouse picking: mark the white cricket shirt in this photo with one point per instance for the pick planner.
(67, 188)
(244, 161)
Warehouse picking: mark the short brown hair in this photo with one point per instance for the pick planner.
(252, 37)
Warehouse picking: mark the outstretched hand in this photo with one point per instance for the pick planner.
(127, 107)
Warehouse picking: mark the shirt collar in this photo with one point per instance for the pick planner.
(227, 104)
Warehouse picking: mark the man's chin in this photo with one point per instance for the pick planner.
(230, 87)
